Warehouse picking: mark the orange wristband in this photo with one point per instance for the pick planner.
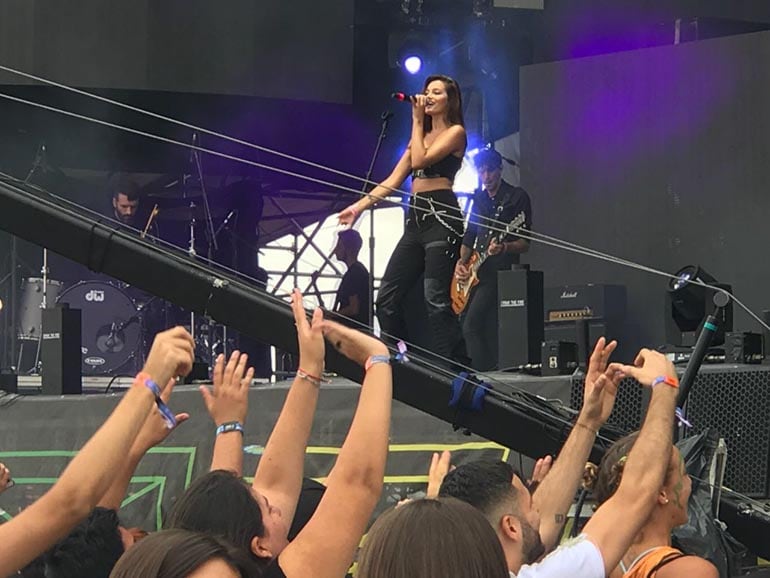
(672, 381)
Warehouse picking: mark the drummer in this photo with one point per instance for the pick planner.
(125, 199)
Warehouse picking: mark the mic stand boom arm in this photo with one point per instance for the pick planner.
(385, 116)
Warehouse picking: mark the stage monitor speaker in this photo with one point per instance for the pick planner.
(9, 382)
(61, 351)
(734, 400)
(520, 318)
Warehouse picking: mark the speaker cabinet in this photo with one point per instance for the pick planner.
(60, 351)
(520, 318)
(733, 399)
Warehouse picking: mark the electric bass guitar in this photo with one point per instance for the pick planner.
(461, 290)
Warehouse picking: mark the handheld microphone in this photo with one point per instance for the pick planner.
(402, 97)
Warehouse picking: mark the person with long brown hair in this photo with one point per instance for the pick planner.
(256, 519)
(180, 554)
(432, 538)
(434, 225)
(651, 554)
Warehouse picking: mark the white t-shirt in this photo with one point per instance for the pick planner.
(576, 558)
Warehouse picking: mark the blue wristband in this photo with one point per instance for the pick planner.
(230, 426)
(375, 359)
(165, 412)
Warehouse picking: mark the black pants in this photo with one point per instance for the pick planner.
(430, 244)
(479, 323)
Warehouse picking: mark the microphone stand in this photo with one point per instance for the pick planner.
(385, 117)
(706, 336)
(40, 160)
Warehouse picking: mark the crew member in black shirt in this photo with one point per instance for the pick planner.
(496, 205)
(352, 301)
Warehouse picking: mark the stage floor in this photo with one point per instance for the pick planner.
(549, 388)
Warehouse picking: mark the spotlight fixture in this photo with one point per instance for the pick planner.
(688, 302)
(413, 64)
(482, 8)
(408, 51)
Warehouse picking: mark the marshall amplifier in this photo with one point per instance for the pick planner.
(581, 314)
(520, 316)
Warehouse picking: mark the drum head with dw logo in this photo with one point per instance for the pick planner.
(111, 327)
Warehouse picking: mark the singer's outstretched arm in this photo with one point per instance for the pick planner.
(385, 188)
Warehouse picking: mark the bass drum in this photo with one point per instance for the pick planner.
(111, 327)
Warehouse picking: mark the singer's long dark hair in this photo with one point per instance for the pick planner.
(454, 101)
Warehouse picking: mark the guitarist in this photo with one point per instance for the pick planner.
(495, 204)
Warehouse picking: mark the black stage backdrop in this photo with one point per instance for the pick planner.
(300, 50)
(658, 156)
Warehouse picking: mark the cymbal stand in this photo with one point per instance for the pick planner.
(211, 235)
(192, 253)
(43, 305)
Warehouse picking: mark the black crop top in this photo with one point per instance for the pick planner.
(446, 167)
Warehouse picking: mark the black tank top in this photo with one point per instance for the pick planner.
(446, 167)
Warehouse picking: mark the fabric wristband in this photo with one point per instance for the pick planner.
(672, 381)
(315, 380)
(375, 359)
(165, 412)
(230, 426)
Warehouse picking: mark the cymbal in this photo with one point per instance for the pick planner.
(188, 213)
(176, 192)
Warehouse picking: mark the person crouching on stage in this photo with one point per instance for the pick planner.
(434, 224)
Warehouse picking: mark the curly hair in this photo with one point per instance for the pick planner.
(611, 468)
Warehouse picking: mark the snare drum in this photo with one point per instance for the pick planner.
(111, 327)
(30, 316)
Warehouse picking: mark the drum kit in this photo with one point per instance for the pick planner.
(118, 320)
(117, 327)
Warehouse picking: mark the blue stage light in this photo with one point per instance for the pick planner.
(413, 64)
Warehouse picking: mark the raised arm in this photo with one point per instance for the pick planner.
(279, 472)
(396, 178)
(5, 478)
(555, 493)
(328, 542)
(88, 476)
(154, 431)
(228, 404)
(619, 519)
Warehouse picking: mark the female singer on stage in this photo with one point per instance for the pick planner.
(434, 225)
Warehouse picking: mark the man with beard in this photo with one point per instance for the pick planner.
(125, 200)
(528, 525)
